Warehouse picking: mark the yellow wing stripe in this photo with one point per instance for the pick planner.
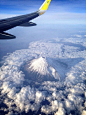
(45, 5)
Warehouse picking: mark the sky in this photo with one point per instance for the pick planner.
(60, 11)
(50, 25)
(74, 6)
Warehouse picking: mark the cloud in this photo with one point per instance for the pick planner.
(79, 36)
(58, 96)
(62, 18)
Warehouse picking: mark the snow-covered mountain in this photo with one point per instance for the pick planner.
(42, 67)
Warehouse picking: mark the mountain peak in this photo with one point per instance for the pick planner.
(39, 65)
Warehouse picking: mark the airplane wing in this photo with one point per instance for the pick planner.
(23, 20)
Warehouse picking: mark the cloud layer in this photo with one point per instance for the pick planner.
(65, 96)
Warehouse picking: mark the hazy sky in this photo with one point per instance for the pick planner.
(49, 25)
(60, 11)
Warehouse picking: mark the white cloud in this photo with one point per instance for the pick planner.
(59, 97)
(84, 112)
(53, 18)
(79, 36)
(60, 111)
(62, 18)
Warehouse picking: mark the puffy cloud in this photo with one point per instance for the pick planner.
(78, 36)
(59, 96)
(84, 112)
(60, 111)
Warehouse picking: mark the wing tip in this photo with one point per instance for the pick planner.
(5, 36)
(44, 7)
